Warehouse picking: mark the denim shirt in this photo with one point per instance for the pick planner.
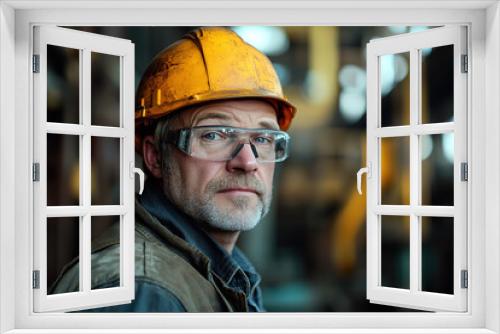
(234, 269)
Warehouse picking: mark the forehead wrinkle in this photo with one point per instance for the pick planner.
(226, 112)
(209, 115)
(213, 115)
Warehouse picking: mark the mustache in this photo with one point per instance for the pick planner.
(243, 181)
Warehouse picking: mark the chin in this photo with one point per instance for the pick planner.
(239, 205)
(233, 221)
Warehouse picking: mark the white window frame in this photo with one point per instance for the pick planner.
(16, 134)
(85, 43)
(412, 44)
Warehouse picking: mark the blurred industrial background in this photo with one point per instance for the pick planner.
(311, 248)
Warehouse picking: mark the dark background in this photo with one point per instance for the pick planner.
(311, 248)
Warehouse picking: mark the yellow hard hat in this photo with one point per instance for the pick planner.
(208, 64)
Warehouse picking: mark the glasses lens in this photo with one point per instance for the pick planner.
(215, 143)
(270, 146)
(221, 143)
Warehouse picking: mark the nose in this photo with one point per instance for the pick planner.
(245, 160)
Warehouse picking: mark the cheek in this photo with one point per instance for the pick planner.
(267, 175)
(196, 174)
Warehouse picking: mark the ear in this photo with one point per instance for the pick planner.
(151, 156)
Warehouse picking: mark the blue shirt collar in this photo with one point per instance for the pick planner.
(227, 266)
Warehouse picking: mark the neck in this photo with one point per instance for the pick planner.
(226, 239)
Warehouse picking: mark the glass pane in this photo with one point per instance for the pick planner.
(395, 251)
(63, 244)
(437, 169)
(395, 89)
(437, 254)
(63, 170)
(105, 171)
(437, 84)
(105, 233)
(63, 81)
(395, 170)
(105, 101)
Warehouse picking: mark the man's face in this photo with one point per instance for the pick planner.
(230, 195)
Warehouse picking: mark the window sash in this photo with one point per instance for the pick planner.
(413, 297)
(85, 43)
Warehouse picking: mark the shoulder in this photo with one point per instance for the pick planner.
(158, 267)
(149, 297)
(162, 272)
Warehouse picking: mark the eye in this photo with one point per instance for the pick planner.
(263, 140)
(213, 136)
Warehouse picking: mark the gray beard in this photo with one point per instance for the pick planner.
(242, 216)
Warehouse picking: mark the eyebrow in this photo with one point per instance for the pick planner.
(263, 124)
(269, 125)
(212, 115)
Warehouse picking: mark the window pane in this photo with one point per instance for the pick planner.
(437, 169)
(395, 251)
(63, 81)
(437, 84)
(105, 259)
(105, 171)
(437, 254)
(63, 244)
(105, 101)
(395, 170)
(395, 89)
(63, 170)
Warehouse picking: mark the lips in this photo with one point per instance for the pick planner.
(233, 184)
(249, 190)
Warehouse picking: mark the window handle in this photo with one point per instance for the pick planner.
(134, 170)
(365, 170)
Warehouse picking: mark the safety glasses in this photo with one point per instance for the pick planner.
(223, 143)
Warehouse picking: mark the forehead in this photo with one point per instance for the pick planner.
(246, 113)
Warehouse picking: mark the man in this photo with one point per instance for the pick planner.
(209, 126)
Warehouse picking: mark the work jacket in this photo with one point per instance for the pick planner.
(178, 267)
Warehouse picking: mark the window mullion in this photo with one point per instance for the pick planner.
(414, 171)
(85, 171)
(373, 267)
(127, 177)
(123, 163)
(415, 260)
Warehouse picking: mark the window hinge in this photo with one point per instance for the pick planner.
(464, 171)
(36, 63)
(36, 171)
(465, 64)
(36, 279)
(464, 279)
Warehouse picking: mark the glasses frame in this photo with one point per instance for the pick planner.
(180, 138)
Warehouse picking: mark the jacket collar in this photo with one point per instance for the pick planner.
(227, 266)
